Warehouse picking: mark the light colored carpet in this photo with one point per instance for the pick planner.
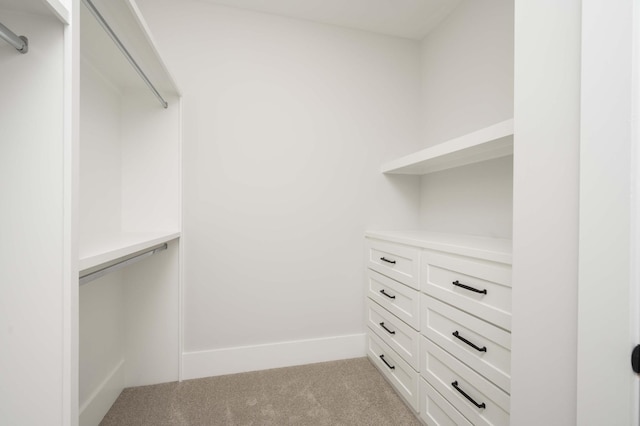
(348, 392)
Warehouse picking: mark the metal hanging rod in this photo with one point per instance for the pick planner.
(124, 50)
(21, 43)
(84, 279)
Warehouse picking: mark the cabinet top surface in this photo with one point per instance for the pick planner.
(494, 249)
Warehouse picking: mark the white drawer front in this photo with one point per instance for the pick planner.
(399, 373)
(437, 411)
(402, 263)
(451, 377)
(448, 326)
(400, 300)
(395, 333)
(480, 287)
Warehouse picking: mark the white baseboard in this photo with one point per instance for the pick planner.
(261, 357)
(98, 404)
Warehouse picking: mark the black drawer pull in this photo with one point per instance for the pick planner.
(477, 348)
(455, 385)
(387, 330)
(385, 361)
(387, 260)
(466, 287)
(386, 294)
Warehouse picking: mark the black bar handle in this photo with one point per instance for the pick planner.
(466, 287)
(386, 294)
(387, 260)
(477, 348)
(388, 331)
(455, 385)
(385, 361)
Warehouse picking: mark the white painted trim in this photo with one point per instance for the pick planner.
(71, 114)
(98, 404)
(218, 362)
(181, 247)
(606, 264)
(634, 290)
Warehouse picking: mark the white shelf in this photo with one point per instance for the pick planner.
(126, 21)
(59, 9)
(485, 144)
(119, 246)
(493, 249)
(40, 7)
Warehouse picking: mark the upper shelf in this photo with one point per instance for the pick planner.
(57, 8)
(485, 144)
(126, 20)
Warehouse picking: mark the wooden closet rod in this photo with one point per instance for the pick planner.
(21, 43)
(94, 275)
(124, 50)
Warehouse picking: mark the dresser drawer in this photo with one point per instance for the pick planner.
(395, 333)
(400, 374)
(452, 379)
(482, 346)
(400, 300)
(479, 287)
(402, 263)
(437, 411)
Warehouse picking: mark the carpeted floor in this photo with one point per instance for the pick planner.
(348, 392)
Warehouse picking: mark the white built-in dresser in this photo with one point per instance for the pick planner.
(438, 306)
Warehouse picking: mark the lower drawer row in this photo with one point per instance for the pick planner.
(444, 383)
(483, 346)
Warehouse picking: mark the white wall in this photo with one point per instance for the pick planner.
(151, 311)
(475, 199)
(150, 162)
(100, 201)
(286, 125)
(467, 84)
(467, 69)
(102, 331)
(545, 228)
(32, 285)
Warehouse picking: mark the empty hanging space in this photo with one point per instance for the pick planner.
(129, 209)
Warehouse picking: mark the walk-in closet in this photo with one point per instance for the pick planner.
(205, 203)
